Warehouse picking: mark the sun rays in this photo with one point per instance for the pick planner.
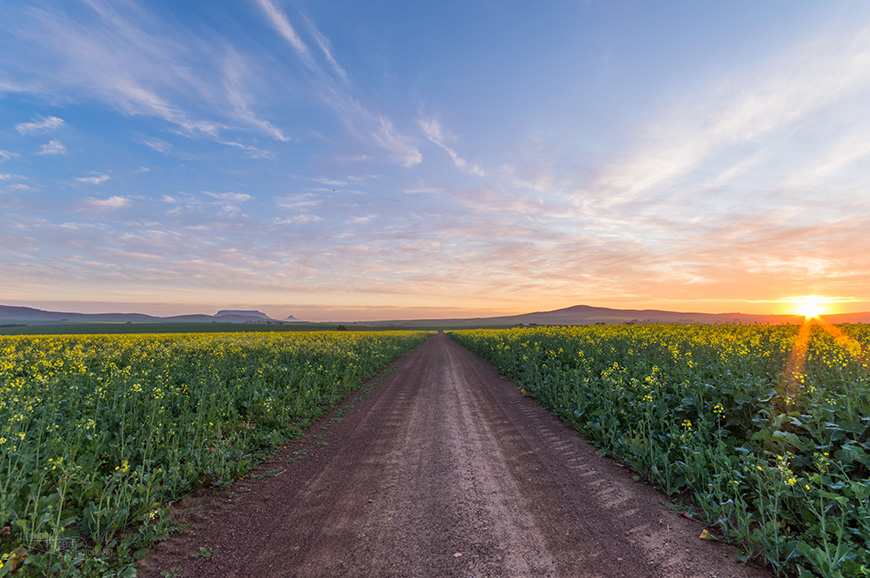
(794, 375)
(855, 348)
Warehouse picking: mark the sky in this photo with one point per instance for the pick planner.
(346, 160)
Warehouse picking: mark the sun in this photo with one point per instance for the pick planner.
(809, 310)
(810, 306)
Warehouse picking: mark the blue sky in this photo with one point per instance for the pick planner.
(369, 160)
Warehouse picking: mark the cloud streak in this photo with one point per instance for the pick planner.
(364, 124)
(300, 201)
(157, 144)
(742, 109)
(389, 138)
(282, 24)
(52, 147)
(230, 197)
(108, 204)
(301, 219)
(136, 63)
(326, 47)
(435, 133)
(94, 180)
(42, 124)
(236, 78)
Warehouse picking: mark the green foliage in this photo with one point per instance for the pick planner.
(776, 455)
(204, 553)
(99, 433)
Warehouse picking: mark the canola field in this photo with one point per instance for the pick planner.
(98, 433)
(765, 428)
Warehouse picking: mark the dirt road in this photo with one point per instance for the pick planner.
(444, 469)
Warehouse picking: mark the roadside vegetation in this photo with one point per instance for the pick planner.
(99, 433)
(766, 429)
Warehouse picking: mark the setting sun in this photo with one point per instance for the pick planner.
(810, 306)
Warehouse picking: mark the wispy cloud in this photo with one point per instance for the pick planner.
(364, 124)
(42, 124)
(230, 197)
(742, 109)
(388, 137)
(330, 182)
(157, 144)
(435, 133)
(236, 78)
(300, 201)
(301, 219)
(94, 180)
(282, 24)
(6, 155)
(841, 155)
(52, 147)
(139, 64)
(325, 47)
(423, 190)
(253, 152)
(113, 58)
(21, 187)
(108, 204)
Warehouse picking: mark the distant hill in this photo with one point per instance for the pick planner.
(232, 313)
(587, 315)
(25, 314)
(29, 314)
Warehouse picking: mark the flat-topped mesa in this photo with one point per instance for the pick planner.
(241, 313)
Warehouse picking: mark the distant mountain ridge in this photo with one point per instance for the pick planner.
(589, 315)
(576, 315)
(12, 313)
